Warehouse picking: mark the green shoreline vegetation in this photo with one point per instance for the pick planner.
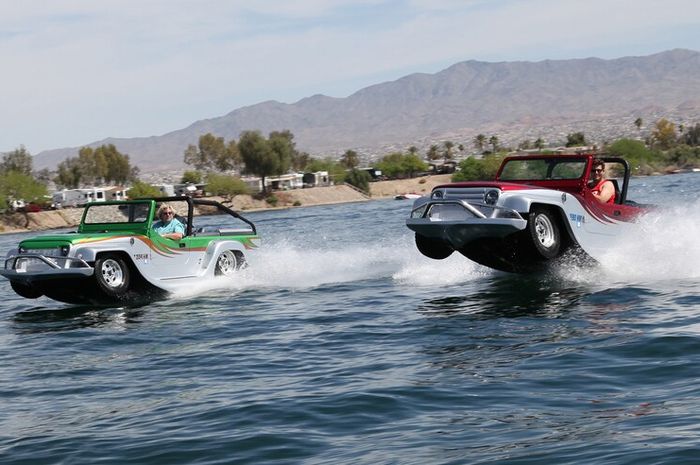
(667, 148)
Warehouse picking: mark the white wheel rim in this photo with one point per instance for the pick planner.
(544, 231)
(112, 273)
(227, 263)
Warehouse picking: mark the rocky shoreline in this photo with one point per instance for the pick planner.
(70, 217)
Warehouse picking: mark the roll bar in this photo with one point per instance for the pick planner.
(190, 209)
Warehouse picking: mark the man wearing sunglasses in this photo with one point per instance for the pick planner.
(602, 189)
(167, 225)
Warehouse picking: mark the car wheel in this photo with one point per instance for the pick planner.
(433, 248)
(544, 232)
(112, 275)
(25, 290)
(226, 264)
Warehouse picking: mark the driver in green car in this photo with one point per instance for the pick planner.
(167, 225)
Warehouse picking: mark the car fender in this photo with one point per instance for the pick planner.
(215, 248)
(88, 251)
(518, 203)
(560, 202)
(522, 201)
(134, 249)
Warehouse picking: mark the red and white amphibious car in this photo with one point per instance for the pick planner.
(538, 208)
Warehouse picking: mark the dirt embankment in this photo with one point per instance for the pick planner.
(420, 186)
(70, 217)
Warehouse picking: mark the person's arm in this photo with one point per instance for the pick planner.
(176, 236)
(607, 190)
(178, 231)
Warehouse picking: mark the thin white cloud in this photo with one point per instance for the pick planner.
(78, 71)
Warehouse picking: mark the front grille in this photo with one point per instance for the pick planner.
(55, 252)
(28, 263)
(470, 194)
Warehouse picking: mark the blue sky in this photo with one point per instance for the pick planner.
(77, 71)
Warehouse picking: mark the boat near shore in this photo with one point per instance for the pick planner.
(407, 196)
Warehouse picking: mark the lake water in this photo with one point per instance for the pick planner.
(341, 344)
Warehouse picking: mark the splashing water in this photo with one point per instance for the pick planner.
(664, 247)
(422, 271)
(290, 266)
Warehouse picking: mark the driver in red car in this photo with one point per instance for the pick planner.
(601, 188)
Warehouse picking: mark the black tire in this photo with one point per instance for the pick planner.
(241, 261)
(25, 290)
(433, 248)
(544, 232)
(112, 275)
(228, 262)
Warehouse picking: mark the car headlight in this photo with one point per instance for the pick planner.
(418, 212)
(64, 250)
(436, 194)
(491, 196)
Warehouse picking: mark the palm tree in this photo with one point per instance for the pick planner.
(448, 149)
(479, 142)
(350, 159)
(493, 140)
(433, 153)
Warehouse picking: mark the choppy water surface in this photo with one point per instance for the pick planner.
(342, 344)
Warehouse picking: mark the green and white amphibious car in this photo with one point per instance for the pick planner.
(116, 257)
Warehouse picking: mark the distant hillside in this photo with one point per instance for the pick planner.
(460, 101)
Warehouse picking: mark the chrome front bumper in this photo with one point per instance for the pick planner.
(35, 267)
(459, 222)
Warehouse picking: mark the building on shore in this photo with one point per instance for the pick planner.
(288, 181)
(79, 197)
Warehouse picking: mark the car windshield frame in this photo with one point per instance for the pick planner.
(117, 213)
(543, 169)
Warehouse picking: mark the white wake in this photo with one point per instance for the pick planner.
(666, 246)
(283, 265)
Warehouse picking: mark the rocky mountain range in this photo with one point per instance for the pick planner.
(513, 100)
